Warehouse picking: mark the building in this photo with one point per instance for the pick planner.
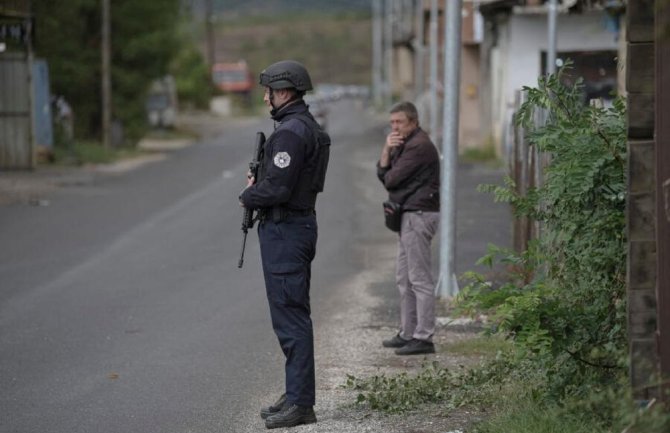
(617, 47)
(17, 149)
(514, 50)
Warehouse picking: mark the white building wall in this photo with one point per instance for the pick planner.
(528, 38)
(525, 37)
(500, 60)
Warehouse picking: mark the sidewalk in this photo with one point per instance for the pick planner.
(31, 187)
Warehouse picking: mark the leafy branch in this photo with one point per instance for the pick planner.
(563, 304)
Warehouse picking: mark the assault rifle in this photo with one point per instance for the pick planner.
(248, 217)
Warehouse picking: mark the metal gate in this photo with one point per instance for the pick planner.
(16, 133)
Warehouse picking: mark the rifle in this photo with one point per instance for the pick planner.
(248, 217)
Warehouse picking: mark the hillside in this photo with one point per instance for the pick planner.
(335, 48)
(241, 8)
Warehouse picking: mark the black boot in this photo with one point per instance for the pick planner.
(275, 408)
(290, 416)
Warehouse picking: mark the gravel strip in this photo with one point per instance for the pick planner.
(349, 343)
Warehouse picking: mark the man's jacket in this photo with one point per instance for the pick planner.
(413, 176)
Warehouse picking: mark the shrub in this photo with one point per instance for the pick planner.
(564, 304)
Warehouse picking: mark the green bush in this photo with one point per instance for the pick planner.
(529, 416)
(192, 77)
(144, 40)
(91, 152)
(564, 304)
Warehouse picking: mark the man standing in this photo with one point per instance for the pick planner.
(409, 168)
(293, 169)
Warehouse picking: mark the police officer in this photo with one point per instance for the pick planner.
(293, 169)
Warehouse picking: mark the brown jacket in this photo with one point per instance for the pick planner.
(413, 176)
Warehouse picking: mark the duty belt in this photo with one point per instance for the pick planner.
(278, 214)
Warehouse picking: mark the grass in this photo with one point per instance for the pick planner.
(335, 48)
(505, 394)
(268, 19)
(91, 152)
(482, 346)
(486, 154)
(171, 134)
(527, 416)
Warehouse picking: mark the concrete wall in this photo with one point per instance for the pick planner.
(469, 130)
(521, 40)
(403, 72)
(528, 38)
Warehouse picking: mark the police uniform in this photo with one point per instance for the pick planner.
(285, 196)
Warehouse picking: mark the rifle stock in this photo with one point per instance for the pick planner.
(248, 216)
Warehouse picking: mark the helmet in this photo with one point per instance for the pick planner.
(287, 74)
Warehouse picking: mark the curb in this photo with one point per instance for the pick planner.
(31, 186)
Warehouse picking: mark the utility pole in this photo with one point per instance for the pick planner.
(106, 77)
(452, 73)
(30, 55)
(433, 69)
(541, 158)
(419, 51)
(377, 52)
(551, 36)
(209, 32)
(388, 52)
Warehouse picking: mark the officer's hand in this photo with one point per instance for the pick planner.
(250, 178)
(394, 139)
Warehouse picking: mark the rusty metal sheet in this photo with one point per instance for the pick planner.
(15, 115)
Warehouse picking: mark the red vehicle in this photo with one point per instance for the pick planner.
(232, 77)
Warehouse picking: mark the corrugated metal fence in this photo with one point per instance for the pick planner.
(16, 149)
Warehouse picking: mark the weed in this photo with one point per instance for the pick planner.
(88, 152)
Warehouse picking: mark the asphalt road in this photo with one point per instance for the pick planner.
(121, 305)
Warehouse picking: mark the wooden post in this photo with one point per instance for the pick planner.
(641, 278)
(662, 54)
(106, 77)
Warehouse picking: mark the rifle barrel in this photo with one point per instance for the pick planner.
(244, 244)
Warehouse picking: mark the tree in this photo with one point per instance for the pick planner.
(144, 42)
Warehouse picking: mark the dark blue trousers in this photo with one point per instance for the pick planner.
(287, 251)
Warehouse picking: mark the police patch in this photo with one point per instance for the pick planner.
(282, 159)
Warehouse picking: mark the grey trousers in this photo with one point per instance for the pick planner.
(413, 275)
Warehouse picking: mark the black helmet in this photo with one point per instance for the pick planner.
(287, 74)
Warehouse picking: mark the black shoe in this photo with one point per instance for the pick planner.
(416, 347)
(275, 408)
(290, 416)
(396, 341)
